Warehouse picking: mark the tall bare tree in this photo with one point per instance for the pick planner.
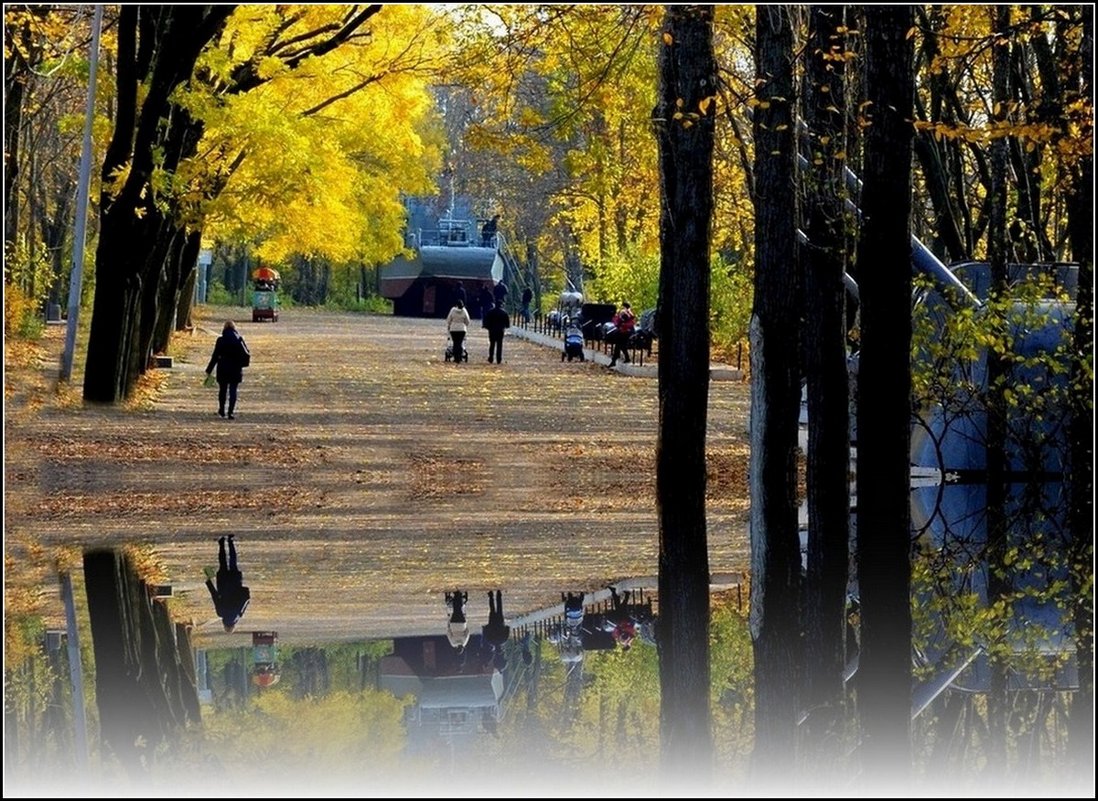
(684, 123)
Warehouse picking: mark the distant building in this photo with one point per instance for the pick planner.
(446, 250)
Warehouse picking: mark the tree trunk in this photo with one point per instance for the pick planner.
(129, 258)
(13, 108)
(775, 404)
(189, 266)
(884, 404)
(688, 75)
(826, 368)
(167, 300)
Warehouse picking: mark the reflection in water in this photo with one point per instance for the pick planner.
(568, 690)
(230, 596)
(144, 669)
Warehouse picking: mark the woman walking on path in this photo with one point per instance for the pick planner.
(230, 356)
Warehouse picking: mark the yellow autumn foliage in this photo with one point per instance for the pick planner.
(325, 149)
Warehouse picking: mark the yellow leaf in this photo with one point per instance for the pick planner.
(667, 39)
(679, 102)
(686, 123)
(910, 32)
(824, 140)
(704, 104)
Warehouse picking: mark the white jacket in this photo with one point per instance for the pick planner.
(457, 319)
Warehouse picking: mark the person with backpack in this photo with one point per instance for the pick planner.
(230, 356)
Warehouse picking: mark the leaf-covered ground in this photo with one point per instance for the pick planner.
(363, 477)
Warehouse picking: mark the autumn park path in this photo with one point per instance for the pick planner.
(363, 477)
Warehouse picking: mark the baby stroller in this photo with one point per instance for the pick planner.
(573, 344)
(450, 350)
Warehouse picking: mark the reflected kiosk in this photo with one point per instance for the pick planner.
(265, 670)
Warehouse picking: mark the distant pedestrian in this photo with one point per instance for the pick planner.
(485, 299)
(527, 299)
(496, 320)
(499, 293)
(230, 356)
(230, 596)
(457, 323)
(625, 323)
(488, 233)
(459, 293)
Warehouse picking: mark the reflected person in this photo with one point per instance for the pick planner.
(230, 596)
(457, 630)
(496, 632)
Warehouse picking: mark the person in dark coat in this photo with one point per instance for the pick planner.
(496, 632)
(484, 298)
(488, 233)
(230, 596)
(459, 293)
(499, 292)
(230, 356)
(496, 320)
(527, 299)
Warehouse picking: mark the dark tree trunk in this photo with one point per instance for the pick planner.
(21, 56)
(1081, 486)
(884, 402)
(13, 108)
(775, 403)
(825, 361)
(688, 75)
(127, 269)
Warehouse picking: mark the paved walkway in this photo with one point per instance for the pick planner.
(364, 476)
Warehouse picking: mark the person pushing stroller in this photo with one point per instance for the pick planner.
(573, 343)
